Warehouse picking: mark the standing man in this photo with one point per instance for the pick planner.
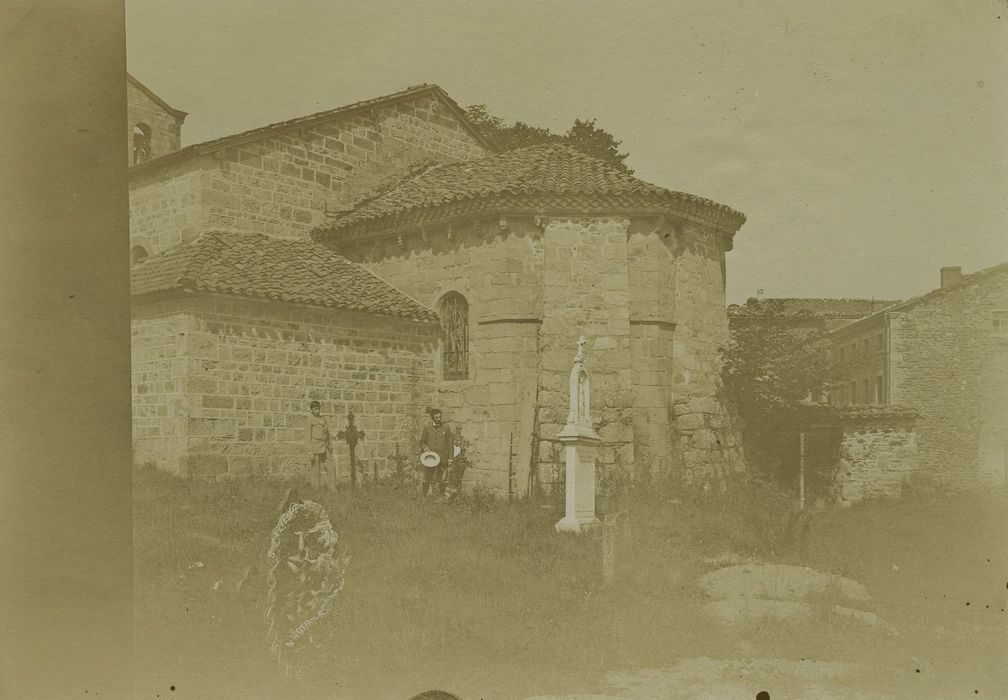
(437, 438)
(320, 448)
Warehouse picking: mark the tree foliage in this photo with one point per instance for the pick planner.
(767, 370)
(582, 135)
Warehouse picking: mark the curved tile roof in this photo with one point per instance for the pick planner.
(552, 172)
(254, 265)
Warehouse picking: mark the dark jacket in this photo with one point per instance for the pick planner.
(438, 440)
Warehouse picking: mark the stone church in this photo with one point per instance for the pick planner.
(382, 258)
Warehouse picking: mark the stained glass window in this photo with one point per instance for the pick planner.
(455, 336)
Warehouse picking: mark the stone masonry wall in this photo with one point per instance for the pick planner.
(251, 368)
(166, 130)
(282, 184)
(707, 439)
(499, 271)
(950, 364)
(876, 459)
(166, 206)
(586, 291)
(651, 266)
(160, 374)
(534, 285)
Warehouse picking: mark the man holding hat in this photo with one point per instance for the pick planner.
(436, 438)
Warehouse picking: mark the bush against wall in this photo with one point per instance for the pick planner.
(766, 373)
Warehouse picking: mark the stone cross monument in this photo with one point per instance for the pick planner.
(579, 440)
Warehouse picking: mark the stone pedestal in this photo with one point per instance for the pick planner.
(579, 454)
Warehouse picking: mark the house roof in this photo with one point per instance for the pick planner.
(966, 280)
(254, 265)
(177, 113)
(816, 308)
(311, 119)
(545, 176)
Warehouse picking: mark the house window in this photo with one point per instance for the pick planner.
(853, 392)
(866, 388)
(141, 143)
(879, 389)
(1000, 319)
(879, 343)
(455, 334)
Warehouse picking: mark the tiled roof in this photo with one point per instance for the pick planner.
(254, 265)
(934, 293)
(554, 174)
(318, 117)
(817, 308)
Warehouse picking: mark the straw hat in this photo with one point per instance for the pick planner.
(430, 459)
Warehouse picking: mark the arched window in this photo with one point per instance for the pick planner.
(141, 143)
(455, 334)
(138, 254)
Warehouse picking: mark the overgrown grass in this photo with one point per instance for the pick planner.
(482, 596)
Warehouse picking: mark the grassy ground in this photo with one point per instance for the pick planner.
(483, 598)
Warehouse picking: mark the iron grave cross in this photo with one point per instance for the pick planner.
(351, 435)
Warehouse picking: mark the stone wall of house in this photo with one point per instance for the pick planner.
(499, 271)
(250, 369)
(877, 457)
(707, 439)
(160, 382)
(649, 301)
(284, 183)
(166, 129)
(652, 282)
(166, 205)
(949, 362)
(586, 291)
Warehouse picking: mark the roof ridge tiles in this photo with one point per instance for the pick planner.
(257, 265)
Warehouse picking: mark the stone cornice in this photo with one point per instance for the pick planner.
(725, 222)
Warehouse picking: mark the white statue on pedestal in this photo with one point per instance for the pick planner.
(579, 440)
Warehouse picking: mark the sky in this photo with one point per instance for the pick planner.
(866, 142)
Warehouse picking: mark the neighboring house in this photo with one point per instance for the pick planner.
(518, 253)
(944, 354)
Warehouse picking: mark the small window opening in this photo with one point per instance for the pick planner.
(141, 143)
(138, 255)
(1000, 322)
